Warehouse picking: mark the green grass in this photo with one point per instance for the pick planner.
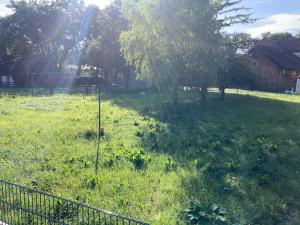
(241, 154)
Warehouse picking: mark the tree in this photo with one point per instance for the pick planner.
(235, 70)
(102, 48)
(175, 43)
(41, 30)
(278, 36)
(154, 43)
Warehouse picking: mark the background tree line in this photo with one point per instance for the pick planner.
(43, 36)
(169, 43)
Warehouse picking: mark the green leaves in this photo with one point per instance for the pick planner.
(137, 157)
(197, 213)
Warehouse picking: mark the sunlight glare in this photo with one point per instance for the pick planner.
(100, 3)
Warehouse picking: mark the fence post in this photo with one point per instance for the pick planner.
(86, 90)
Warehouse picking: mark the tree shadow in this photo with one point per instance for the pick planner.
(238, 151)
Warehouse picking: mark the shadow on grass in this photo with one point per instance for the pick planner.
(238, 152)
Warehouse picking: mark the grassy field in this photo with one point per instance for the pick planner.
(241, 155)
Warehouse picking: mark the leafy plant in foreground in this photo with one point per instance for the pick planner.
(201, 215)
(138, 158)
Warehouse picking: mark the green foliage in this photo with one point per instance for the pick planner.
(265, 160)
(278, 36)
(170, 165)
(102, 47)
(137, 157)
(198, 214)
(176, 43)
(63, 211)
(40, 35)
(234, 70)
(91, 182)
(90, 134)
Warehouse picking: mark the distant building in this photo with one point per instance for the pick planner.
(5, 79)
(277, 63)
(298, 86)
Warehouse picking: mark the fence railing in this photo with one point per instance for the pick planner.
(36, 91)
(20, 205)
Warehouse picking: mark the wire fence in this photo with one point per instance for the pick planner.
(20, 205)
(38, 91)
(82, 89)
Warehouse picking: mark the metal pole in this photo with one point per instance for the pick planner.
(99, 113)
(100, 132)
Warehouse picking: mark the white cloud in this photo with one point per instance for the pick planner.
(4, 11)
(276, 23)
(100, 3)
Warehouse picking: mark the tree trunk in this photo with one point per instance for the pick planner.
(222, 89)
(78, 72)
(175, 99)
(204, 95)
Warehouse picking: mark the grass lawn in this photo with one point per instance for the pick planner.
(241, 154)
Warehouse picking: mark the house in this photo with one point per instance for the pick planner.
(276, 63)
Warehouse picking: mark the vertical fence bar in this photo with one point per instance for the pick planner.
(1, 202)
(19, 206)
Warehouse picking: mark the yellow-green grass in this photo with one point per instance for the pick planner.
(242, 154)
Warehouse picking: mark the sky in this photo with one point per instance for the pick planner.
(101, 3)
(273, 15)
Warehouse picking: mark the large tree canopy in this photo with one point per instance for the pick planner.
(177, 42)
(235, 71)
(41, 32)
(102, 47)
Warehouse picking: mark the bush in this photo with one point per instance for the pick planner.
(138, 158)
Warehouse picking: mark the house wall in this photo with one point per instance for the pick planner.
(270, 76)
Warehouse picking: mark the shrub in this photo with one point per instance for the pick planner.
(138, 158)
(139, 134)
(89, 134)
(170, 165)
(264, 160)
(91, 181)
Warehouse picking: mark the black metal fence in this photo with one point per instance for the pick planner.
(25, 206)
(37, 91)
